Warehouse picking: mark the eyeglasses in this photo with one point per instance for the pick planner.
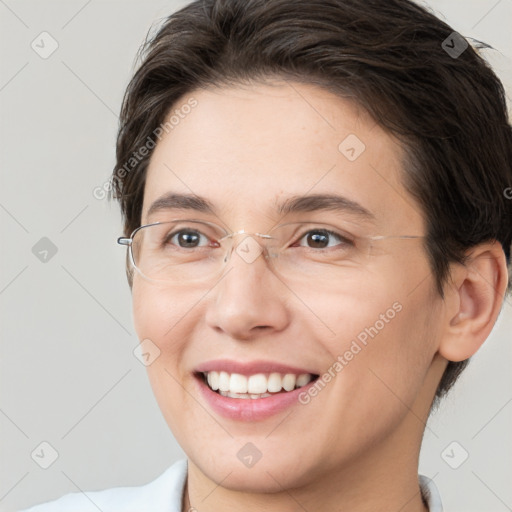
(185, 251)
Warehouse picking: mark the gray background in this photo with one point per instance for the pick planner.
(68, 373)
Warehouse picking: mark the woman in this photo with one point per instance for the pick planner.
(318, 240)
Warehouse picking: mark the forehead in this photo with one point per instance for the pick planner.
(249, 148)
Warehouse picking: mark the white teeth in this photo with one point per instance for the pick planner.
(289, 381)
(213, 380)
(223, 381)
(303, 379)
(238, 383)
(243, 395)
(259, 385)
(274, 382)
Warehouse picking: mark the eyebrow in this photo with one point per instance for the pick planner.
(323, 202)
(293, 204)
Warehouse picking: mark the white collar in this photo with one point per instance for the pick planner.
(430, 493)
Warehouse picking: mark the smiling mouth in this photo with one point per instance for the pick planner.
(259, 385)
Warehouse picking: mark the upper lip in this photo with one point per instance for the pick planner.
(249, 367)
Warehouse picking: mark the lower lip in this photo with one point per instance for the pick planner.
(250, 409)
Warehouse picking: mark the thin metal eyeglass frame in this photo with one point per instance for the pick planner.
(127, 241)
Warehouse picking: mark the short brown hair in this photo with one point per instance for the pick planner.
(448, 111)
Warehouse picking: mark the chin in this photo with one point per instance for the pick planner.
(269, 474)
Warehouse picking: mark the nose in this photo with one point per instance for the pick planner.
(249, 300)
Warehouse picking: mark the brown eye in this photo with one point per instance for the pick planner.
(318, 240)
(323, 238)
(186, 238)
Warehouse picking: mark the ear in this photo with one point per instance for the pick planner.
(473, 301)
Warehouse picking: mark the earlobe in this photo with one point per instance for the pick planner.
(473, 301)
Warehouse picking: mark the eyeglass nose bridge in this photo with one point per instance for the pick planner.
(243, 232)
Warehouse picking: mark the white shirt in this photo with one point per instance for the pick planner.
(164, 494)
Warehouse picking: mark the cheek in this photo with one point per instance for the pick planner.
(380, 380)
(162, 315)
(382, 346)
(167, 320)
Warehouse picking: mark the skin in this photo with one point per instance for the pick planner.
(356, 445)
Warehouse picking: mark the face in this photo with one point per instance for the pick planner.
(359, 325)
